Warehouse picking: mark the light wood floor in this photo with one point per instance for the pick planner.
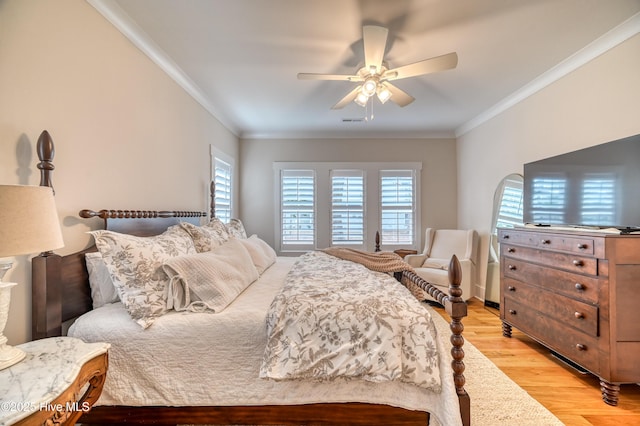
(572, 397)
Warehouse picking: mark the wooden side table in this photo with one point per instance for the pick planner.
(403, 252)
(47, 386)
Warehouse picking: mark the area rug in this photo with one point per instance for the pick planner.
(496, 400)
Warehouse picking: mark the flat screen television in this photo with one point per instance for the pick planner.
(595, 187)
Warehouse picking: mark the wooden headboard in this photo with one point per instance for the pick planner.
(61, 289)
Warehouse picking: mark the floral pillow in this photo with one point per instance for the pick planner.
(207, 237)
(135, 265)
(236, 229)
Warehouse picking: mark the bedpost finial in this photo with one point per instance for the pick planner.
(46, 152)
(455, 278)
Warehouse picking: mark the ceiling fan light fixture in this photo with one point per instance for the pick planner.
(369, 87)
(384, 94)
(361, 99)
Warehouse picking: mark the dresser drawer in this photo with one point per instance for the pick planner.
(573, 313)
(576, 286)
(571, 343)
(568, 262)
(568, 244)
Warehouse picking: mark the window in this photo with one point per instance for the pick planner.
(323, 204)
(347, 207)
(298, 208)
(222, 174)
(397, 201)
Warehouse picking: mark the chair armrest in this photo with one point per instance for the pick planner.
(415, 260)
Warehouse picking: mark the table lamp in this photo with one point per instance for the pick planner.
(28, 224)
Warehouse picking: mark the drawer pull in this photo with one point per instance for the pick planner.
(581, 347)
(511, 288)
(578, 262)
(580, 287)
(579, 315)
(512, 311)
(545, 241)
(511, 250)
(505, 237)
(512, 267)
(582, 246)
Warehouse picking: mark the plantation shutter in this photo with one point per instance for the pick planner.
(347, 207)
(298, 208)
(397, 203)
(222, 196)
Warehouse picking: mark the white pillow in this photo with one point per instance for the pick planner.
(261, 253)
(102, 289)
(209, 280)
(135, 265)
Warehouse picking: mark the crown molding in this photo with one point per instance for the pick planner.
(113, 13)
(609, 40)
(119, 18)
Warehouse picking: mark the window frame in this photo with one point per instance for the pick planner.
(324, 205)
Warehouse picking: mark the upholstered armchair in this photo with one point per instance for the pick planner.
(433, 263)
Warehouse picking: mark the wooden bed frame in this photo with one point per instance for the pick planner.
(61, 293)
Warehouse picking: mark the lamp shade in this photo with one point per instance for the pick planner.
(28, 220)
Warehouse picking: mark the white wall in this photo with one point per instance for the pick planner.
(126, 136)
(438, 185)
(596, 103)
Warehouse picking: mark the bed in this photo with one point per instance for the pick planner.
(228, 390)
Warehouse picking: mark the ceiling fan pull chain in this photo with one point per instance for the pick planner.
(371, 102)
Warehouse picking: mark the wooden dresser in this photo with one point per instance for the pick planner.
(578, 293)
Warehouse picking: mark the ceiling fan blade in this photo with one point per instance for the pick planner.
(345, 101)
(375, 43)
(427, 66)
(398, 96)
(342, 77)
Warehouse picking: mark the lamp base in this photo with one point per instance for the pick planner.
(8, 354)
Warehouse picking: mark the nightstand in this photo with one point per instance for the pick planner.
(59, 379)
(403, 252)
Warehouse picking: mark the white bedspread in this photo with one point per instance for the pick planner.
(217, 361)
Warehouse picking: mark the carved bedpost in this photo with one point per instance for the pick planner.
(45, 268)
(457, 309)
(377, 241)
(46, 152)
(213, 199)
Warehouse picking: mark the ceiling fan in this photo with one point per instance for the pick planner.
(375, 76)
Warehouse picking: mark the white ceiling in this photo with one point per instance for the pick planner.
(240, 58)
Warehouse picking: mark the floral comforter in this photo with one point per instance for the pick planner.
(336, 318)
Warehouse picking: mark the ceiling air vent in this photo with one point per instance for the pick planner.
(353, 120)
